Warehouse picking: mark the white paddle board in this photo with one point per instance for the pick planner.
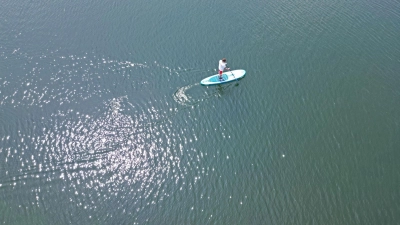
(226, 77)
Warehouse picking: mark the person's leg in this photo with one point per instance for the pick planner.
(220, 74)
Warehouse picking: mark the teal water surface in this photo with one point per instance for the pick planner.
(104, 121)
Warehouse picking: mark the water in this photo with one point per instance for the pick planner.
(103, 119)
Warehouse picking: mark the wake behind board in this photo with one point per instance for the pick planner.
(227, 77)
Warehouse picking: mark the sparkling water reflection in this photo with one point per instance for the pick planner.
(103, 120)
(118, 152)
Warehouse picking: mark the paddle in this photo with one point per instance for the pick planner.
(233, 75)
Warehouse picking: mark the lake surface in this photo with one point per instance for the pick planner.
(103, 119)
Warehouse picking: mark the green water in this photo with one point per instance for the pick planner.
(103, 119)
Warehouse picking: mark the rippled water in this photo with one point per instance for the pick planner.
(115, 149)
(103, 119)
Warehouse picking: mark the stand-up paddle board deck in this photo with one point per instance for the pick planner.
(226, 77)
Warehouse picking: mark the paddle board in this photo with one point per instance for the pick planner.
(226, 77)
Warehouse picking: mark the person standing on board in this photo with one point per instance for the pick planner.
(222, 67)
